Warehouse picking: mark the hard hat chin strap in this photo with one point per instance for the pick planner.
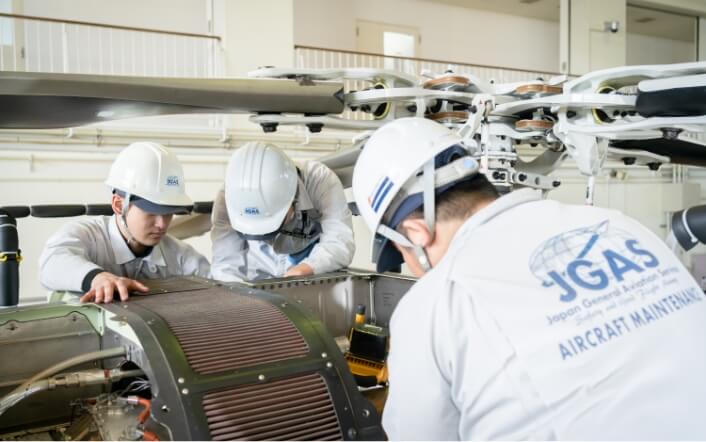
(429, 189)
(429, 196)
(123, 218)
(397, 237)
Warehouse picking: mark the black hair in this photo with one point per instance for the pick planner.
(462, 199)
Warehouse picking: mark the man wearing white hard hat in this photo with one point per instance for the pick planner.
(532, 319)
(104, 256)
(275, 218)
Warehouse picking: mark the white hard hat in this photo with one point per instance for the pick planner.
(401, 167)
(261, 182)
(152, 177)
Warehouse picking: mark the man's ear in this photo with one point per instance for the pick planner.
(117, 204)
(417, 231)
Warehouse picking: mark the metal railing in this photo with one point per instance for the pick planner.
(315, 57)
(323, 58)
(41, 44)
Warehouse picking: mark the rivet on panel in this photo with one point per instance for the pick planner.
(261, 377)
(180, 380)
(184, 391)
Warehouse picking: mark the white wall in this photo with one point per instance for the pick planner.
(325, 23)
(169, 15)
(255, 34)
(56, 47)
(647, 49)
(448, 33)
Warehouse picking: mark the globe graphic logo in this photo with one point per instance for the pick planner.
(586, 243)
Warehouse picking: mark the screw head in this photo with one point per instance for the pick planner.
(180, 380)
(184, 391)
(165, 409)
(329, 364)
(366, 412)
(324, 355)
(261, 377)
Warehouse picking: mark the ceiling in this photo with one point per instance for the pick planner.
(541, 9)
(639, 20)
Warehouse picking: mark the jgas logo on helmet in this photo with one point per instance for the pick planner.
(252, 211)
(172, 180)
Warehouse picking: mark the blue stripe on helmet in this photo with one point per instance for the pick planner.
(383, 195)
(379, 191)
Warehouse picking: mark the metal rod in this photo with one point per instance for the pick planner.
(371, 301)
(106, 25)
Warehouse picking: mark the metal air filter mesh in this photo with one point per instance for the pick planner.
(295, 408)
(219, 333)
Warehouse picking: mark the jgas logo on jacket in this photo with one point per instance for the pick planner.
(591, 258)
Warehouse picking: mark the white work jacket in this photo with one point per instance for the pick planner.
(96, 243)
(549, 321)
(236, 258)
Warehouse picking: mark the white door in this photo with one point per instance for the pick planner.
(387, 39)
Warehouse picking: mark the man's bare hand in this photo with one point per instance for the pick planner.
(299, 270)
(105, 284)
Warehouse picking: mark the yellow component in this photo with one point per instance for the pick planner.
(381, 85)
(5, 256)
(359, 319)
(364, 367)
(603, 89)
(368, 349)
